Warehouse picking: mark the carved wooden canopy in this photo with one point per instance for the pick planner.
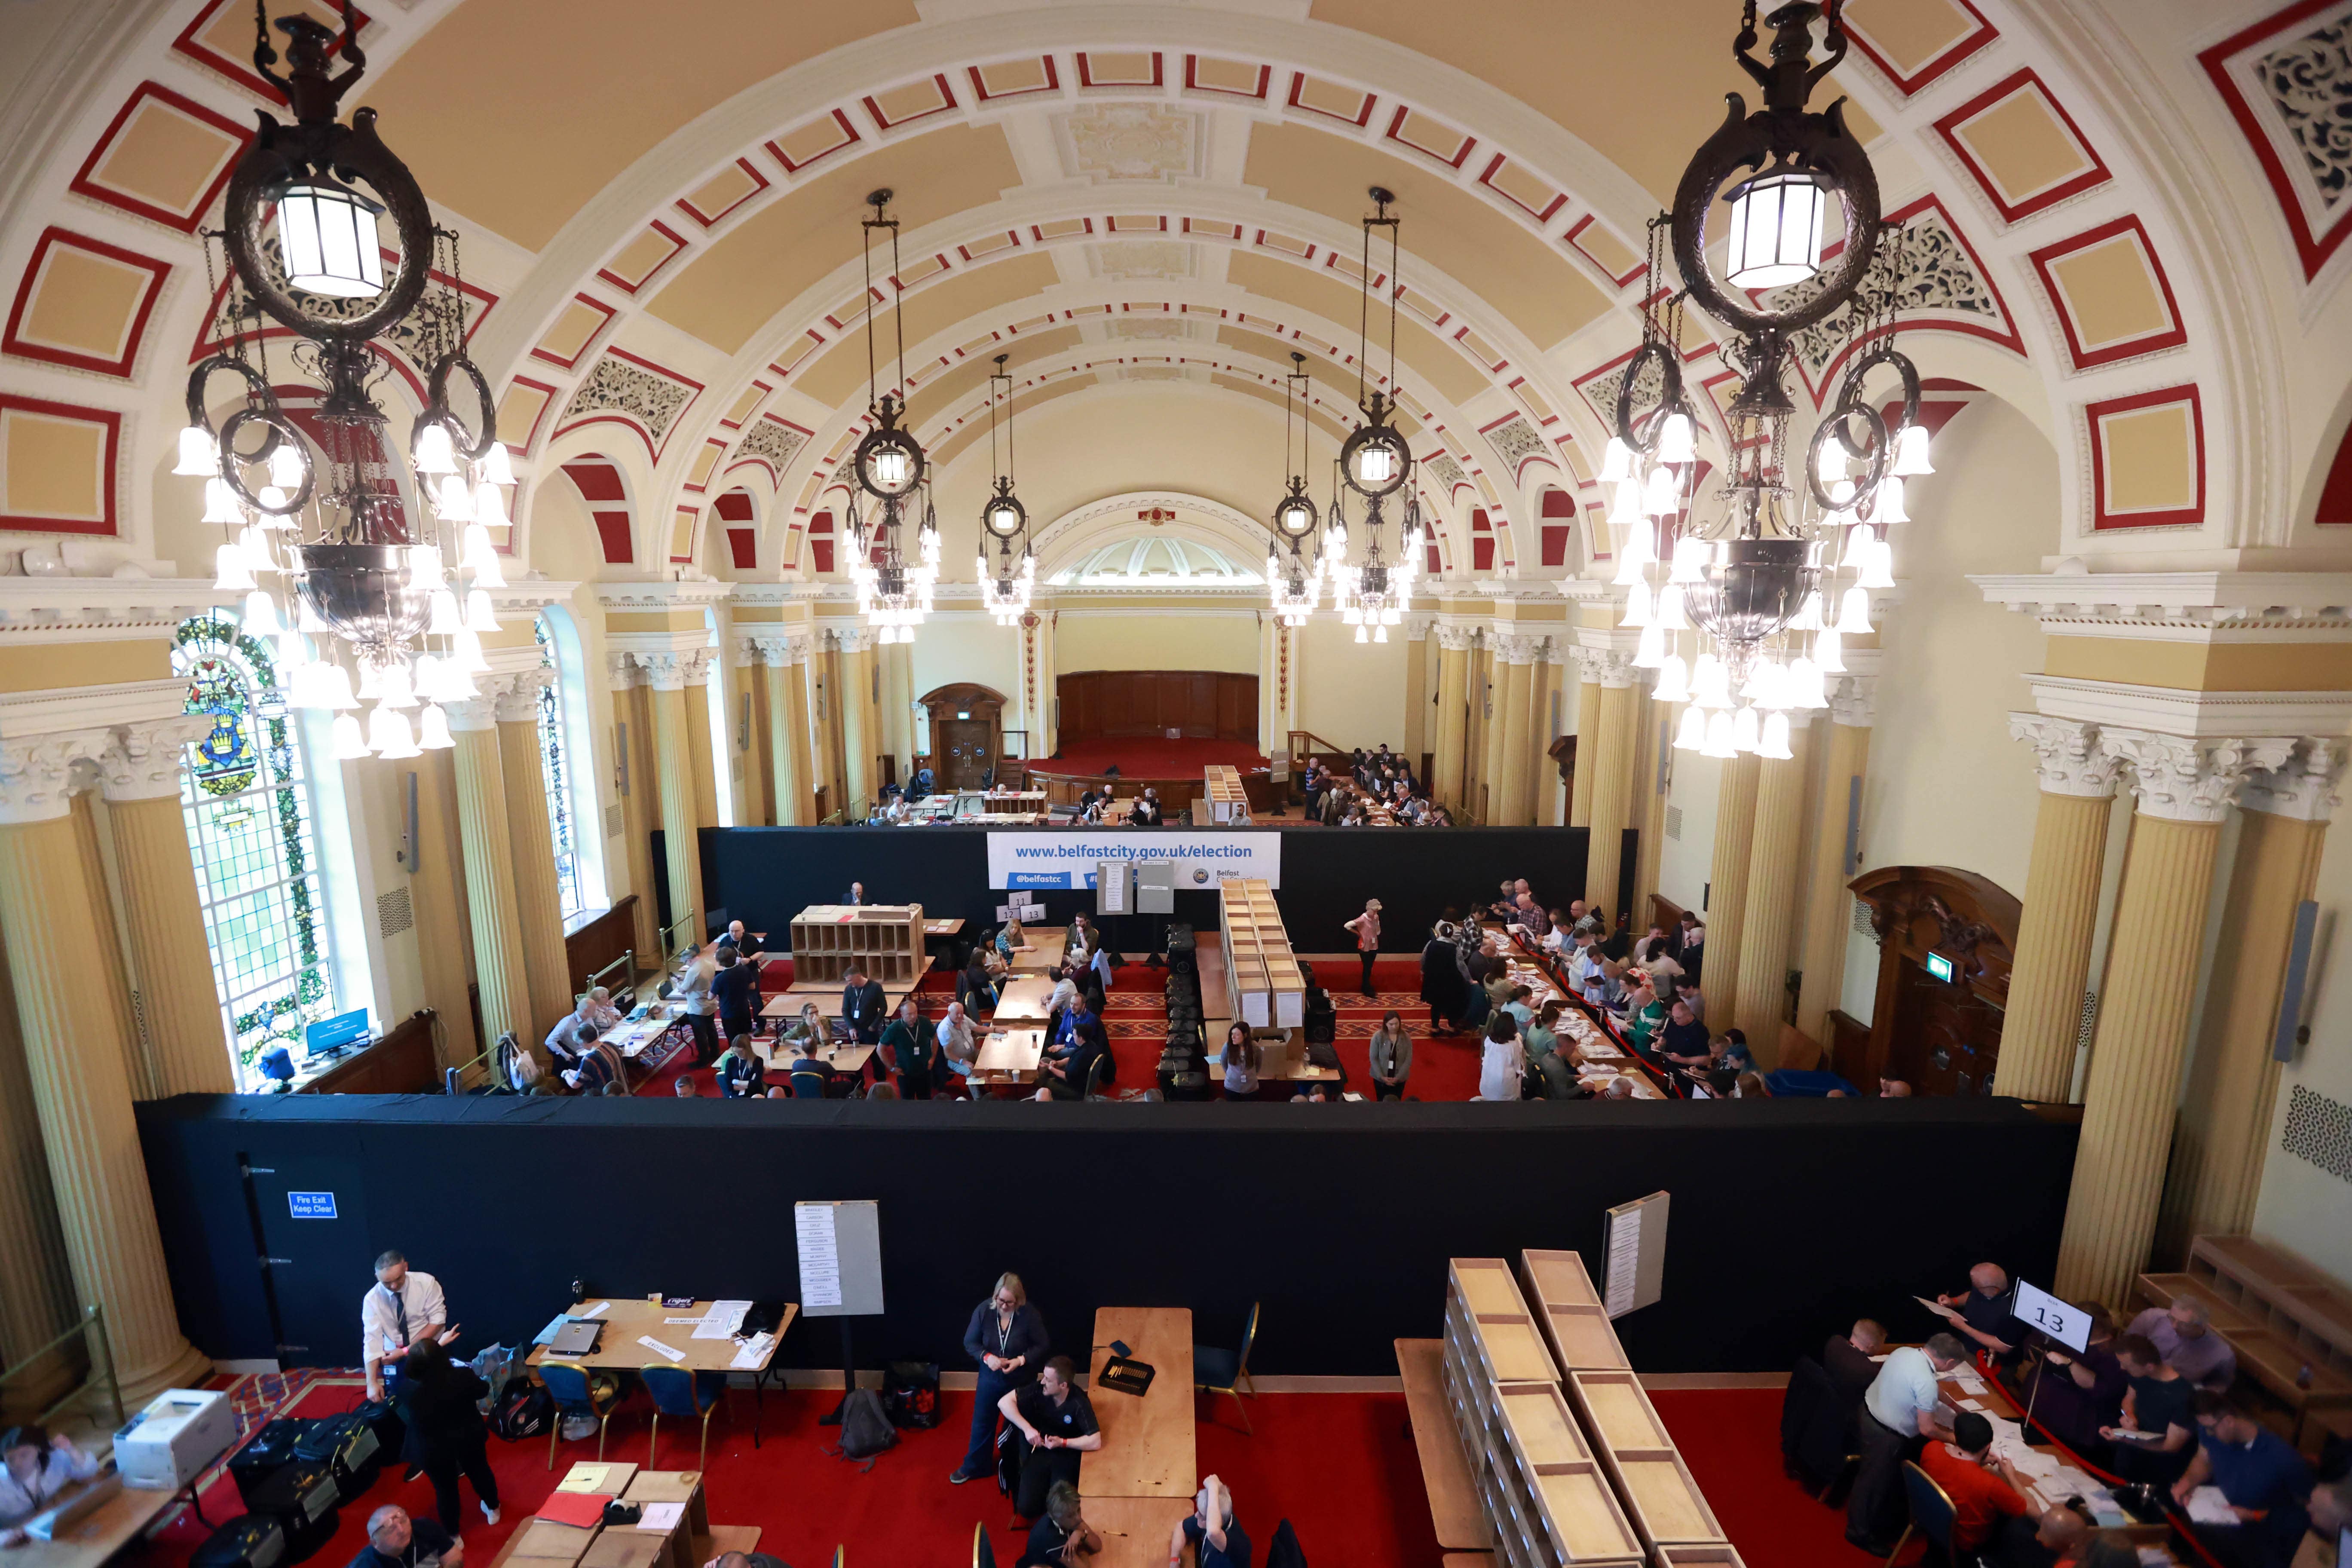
(1968, 918)
(963, 697)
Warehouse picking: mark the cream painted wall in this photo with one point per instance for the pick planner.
(1107, 638)
(1685, 862)
(1351, 693)
(962, 645)
(2302, 1205)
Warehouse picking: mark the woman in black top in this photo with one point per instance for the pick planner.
(1441, 978)
(446, 1432)
(1006, 1339)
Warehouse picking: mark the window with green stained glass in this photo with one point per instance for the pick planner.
(249, 815)
(555, 773)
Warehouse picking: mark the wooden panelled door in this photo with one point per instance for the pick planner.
(966, 750)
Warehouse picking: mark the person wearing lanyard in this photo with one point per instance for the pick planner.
(406, 1306)
(37, 1467)
(1366, 927)
(1007, 1338)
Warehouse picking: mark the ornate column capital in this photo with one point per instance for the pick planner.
(2068, 755)
(144, 761)
(1454, 639)
(801, 644)
(2302, 787)
(744, 651)
(473, 713)
(773, 646)
(1418, 627)
(1853, 700)
(40, 774)
(673, 669)
(1610, 668)
(620, 669)
(1520, 647)
(853, 639)
(2183, 780)
(515, 697)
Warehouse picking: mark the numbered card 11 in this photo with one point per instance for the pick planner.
(2062, 1321)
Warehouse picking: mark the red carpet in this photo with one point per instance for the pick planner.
(1730, 1438)
(1152, 758)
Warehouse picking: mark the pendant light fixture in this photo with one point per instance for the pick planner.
(1376, 463)
(1004, 592)
(361, 602)
(1295, 583)
(894, 593)
(1736, 610)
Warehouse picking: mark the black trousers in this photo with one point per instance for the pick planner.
(442, 1466)
(914, 1086)
(1366, 960)
(1040, 1468)
(1874, 1510)
(1387, 1091)
(706, 1037)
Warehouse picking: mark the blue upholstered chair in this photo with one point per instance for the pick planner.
(689, 1395)
(578, 1392)
(1220, 1370)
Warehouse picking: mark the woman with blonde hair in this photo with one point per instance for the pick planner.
(1006, 1339)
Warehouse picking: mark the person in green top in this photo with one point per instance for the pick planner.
(1645, 1008)
(911, 1049)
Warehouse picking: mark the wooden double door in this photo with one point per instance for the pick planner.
(962, 753)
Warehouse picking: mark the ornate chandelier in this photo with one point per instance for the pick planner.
(1748, 592)
(1003, 592)
(317, 534)
(1297, 582)
(1375, 463)
(894, 594)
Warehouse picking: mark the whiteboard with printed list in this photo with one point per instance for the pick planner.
(841, 1258)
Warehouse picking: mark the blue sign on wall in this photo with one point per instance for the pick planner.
(341, 1030)
(313, 1206)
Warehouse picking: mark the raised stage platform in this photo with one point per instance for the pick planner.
(1172, 767)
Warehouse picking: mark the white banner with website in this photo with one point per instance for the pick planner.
(1067, 859)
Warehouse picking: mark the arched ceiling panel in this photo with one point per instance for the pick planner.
(947, 388)
(1336, 379)
(735, 287)
(1494, 255)
(839, 373)
(1419, 353)
(515, 112)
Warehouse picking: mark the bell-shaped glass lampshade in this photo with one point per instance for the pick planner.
(434, 453)
(1638, 611)
(327, 241)
(1718, 736)
(1004, 519)
(1691, 734)
(1911, 453)
(1829, 652)
(1853, 613)
(303, 689)
(1877, 572)
(1808, 617)
(389, 735)
(286, 468)
(453, 498)
(489, 505)
(1673, 680)
(1890, 503)
(1651, 651)
(1662, 496)
(1744, 736)
(1776, 229)
(1710, 682)
(230, 574)
(1677, 443)
(220, 502)
(199, 453)
(1690, 560)
(447, 620)
(496, 467)
(433, 730)
(1625, 511)
(1616, 462)
(260, 615)
(481, 558)
(397, 687)
(1806, 685)
(481, 616)
(1670, 609)
(351, 741)
(1775, 738)
(335, 688)
(293, 652)
(424, 568)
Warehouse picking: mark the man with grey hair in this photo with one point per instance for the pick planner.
(1981, 1313)
(2183, 1334)
(1212, 1530)
(1901, 1410)
(396, 1541)
(746, 1560)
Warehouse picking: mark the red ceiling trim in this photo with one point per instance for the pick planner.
(677, 249)
(2190, 517)
(2312, 247)
(1936, 65)
(1949, 128)
(2130, 348)
(849, 131)
(980, 87)
(1192, 82)
(1362, 119)
(188, 222)
(760, 182)
(53, 238)
(1587, 221)
(1086, 74)
(110, 466)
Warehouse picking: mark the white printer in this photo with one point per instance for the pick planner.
(168, 1444)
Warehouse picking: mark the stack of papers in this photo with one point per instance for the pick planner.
(661, 1515)
(2208, 1505)
(587, 1478)
(754, 1350)
(722, 1320)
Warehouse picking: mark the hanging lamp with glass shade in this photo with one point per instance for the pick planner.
(320, 548)
(1742, 598)
(894, 590)
(1004, 590)
(1376, 465)
(1294, 579)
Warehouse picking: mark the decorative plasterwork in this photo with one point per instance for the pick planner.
(2183, 780)
(772, 438)
(2182, 606)
(1131, 142)
(1517, 444)
(530, 595)
(2285, 79)
(662, 596)
(132, 703)
(2067, 755)
(2305, 786)
(99, 609)
(144, 761)
(38, 774)
(1454, 638)
(642, 394)
(2202, 715)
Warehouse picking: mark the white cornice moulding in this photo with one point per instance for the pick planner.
(2196, 715)
(101, 609)
(47, 713)
(512, 660)
(2182, 606)
(662, 596)
(689, 639)
(532, 594)
(778, 593)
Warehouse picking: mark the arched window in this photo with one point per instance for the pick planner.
(555, 773)
(249, 815)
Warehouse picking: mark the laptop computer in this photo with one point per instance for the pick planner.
(576, 1338)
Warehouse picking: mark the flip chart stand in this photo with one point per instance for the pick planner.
(841, 1273)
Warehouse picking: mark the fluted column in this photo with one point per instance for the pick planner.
(674, 721)
(2184, 789)
(174, 997)
(859, 743)
(803, 746)
(641, 800)
(53, 917)
(1760, 1005)
(1514, 702)
(703, 765)
(751, 682)
(1549, 801)
(108, 978)
(787, 744)
(1612, 760)
(2225, 1117)
(1828, 904)
(502, 973)
(36, 1293)
(1588, 741)
(1727, 903)
(1453, 695)
(539, 909)
(2063, 879)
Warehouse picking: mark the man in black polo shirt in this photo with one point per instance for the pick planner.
(1212, 1529)
(1058, 1423)
(1051, 1537)
(396, 1541)
(1982, 1312)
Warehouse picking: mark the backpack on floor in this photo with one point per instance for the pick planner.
(910, 1394)
(866, 1430)
(523, 1411)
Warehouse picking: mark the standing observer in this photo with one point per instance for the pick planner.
(1366, 927)
(403, 1306)
(446, 1434)
(1007, 1338)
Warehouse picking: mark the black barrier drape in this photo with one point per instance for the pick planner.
(765, 876)
(1789, 1218)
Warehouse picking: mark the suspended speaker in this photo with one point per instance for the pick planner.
(2298, 971)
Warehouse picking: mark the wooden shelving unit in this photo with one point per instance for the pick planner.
(1267, 988)
(1227, 803)
(1575, 1322)
(884, 940)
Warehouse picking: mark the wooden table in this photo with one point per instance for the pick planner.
(631, 1037)
(1023, 999)
(1147, 1443)
(1135, 1530)
(1013, 1056)
(1444, 1473)
(1042, 954)
(625, 1320)
(103, 1532)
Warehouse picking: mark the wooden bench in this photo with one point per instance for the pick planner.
(2289, 1323)
(1445, 1474)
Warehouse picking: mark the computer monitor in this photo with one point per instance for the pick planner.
(2062, 1321)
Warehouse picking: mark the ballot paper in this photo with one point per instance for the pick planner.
(675, 1321)
(660, 1349)
(754, 1350)
(660, 1515)
(2208, 1505)
(586, 1478)
(1935, 1306)
(595, 1311)
(722, 1320)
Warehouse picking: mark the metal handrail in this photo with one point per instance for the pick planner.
(626, 963)
(92, 1327)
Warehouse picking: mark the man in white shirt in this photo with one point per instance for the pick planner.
(563, 1043)
(1901, 1409)
(405, 1305)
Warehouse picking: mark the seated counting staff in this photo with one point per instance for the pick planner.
(811, 1075)
(2265, 1482)
(1057, 1424)
(1063, 1539)
(2157, 1435)
(1847, 1358)
(2183, 1335)
(1981, 1313)
(396, 1541)
(1212, 1530)
(741, 1074)
(2076, 1394)
(1984, 1489)
(35, 1468)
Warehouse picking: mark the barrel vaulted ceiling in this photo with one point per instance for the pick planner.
(2125, 219)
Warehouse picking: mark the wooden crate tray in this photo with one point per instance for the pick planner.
(1575, 1324)
(1496, 1323)
(1660, 1496)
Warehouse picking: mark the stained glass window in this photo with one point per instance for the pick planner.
(249, 815)
(555, 773)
